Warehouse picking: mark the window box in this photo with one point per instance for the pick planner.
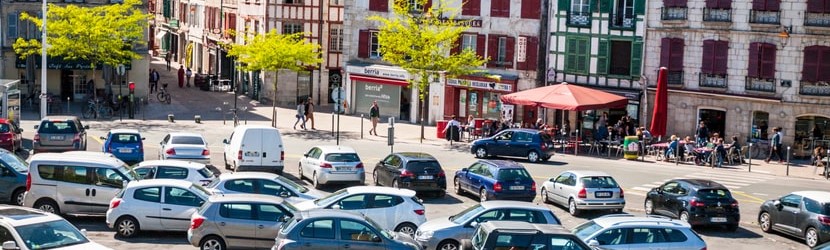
(820, 88)
(760, 84)
(764, 17)
(717, 15)
(817, 19)
(712, 81)
(674, 13)
(579, 19)
(622, 22)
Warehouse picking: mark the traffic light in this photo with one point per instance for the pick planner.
(131, 86)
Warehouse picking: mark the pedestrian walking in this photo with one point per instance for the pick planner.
(181, 76)
(167, 59)
(300, 115)
(154, 80)
(309, 112)
(775, 146)
(187, 74)
(374, 115)
(702, 134)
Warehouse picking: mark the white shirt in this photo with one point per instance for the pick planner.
(452, 123)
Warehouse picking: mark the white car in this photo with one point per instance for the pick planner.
(326, 164)
(262, 183)
(392, 208)
(155, 205)
(194, 172)
(28, 228)
(184, 146)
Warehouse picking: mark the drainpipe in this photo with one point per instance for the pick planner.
(544, 37)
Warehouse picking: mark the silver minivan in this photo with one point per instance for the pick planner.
(584, 190)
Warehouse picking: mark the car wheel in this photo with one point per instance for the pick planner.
(48, 206)
(407, 228)
(300, 171)
(649, 206)
(315, 182)
(765, 221)
(544, 196)
(481, 152)
(811, 237)
(375, 177)
(482, 194)
(572, 207)
(395, 183)
(126, 227)
(457, 187)
(212, 243)
(684, 216)
(448, 245)
(18, 196)
(532, 156)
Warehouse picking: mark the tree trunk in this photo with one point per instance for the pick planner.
(274, 105)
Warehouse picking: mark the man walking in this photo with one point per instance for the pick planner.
(702, 134)
(309, 112)
(181, 76)
(775, 146)
(167, 59)
(154, 80)
(187, 74)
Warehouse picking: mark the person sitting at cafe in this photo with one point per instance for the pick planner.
(818, 156)
(673, 143)
(734, 149)
(720, 151)
(453, 126)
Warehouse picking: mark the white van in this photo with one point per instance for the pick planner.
(74, 182)
(254, 148)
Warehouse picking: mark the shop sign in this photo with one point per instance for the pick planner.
(480, 85)
(472, 23)
(521, 50)
(379, 72)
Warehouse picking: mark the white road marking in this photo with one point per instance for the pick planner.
(760, 194)
(640, 189)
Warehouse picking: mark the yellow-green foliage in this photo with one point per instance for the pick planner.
(273, 51)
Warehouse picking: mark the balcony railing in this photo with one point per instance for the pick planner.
(765, 17)
(759, 84)
(622, 22)
(675, 78)
(815, 88)
(817, 19)
(712, 80)
(579, 19)
(717, 15)
(674, 13)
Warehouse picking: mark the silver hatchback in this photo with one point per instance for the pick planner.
(625, 231)
(584, 190)
(234, 221)
(59, 133)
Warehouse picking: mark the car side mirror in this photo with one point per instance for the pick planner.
(20, 130)
(305, 155)
(83, 232)
(143, 138)
(375, 238)
(474, 224)
(37, 126)
(335, 207)
(593, 244)
(464, 170)
(103, 138)
(124, 183)
(86, 126)
(284, 194)
(284, 218)
(10, 245)
(777, 204)
(225, 141)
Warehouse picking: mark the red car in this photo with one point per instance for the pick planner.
(10, 135)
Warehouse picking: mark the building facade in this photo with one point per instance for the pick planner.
(744, 67)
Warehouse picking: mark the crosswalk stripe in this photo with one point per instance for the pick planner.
(735, 175)
(641, 189)
(721, 177)
(658, 182)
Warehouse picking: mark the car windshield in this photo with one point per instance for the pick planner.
(586, 230)
(331, 197)
(125, 138)
(294, 185)
(466, 214)
(713, 194)
(4, 128)
(49, 235)
(599, 182)
(420, 166)
(126, 171)
(511, 174)
(205, 172)
(14, 161)
(57, 127)
(201, 190)
(190, 140)
(342, 157)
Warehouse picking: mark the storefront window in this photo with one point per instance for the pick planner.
(462, 100)
(491, 105)
(387, 96)
(472, 104)
(303, 85)
(810, 132)
(715, 120)
(760, 121)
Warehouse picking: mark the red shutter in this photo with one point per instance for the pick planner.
(505, 8)
(815, 5)
(711, 4)
(531, 9)
(755, 60)
(492, 50)
(768, 60)
(428, 6)
(676, 55)
(363, 44)
(759, 5)
(509, 54)
(824, 64)
(725, 4)
(456, 46)
(680, 3)
(379, 5)
(476, 7)
(481, 44)
(665, 52)
(500, 8)
(708, 64)
(532, 53)
(494, 8)
(809, 72)
(467, 8)
(773, 5)
(721, 57)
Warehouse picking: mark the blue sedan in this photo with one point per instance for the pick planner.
(496, 180)
(125, 144)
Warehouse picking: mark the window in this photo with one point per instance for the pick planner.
(336, 38)
(273, 188)
(241, 185)
(501, 51)
(671, 57)
(818, 13)
(178, 196)
(353, 202)
(815, 76)
(468, 42)
(713, 67)
(75, 174)
(623, 15)
(792, 200)
(269, 212)
(237, 211)
(531, 9)
(504, 136)
(577, 55)
(336, 2)
(382, 201)
(524, 137)
(765, 11)
(151, 194)
(374, 46)
(718, 11)
(471, 8)
(11, 24)
(293, 1)
(415, 5)
(392, 161)
(490, 215)
(321, 229)
(674, 10)
(379, 5)
(125, 138)
(622, 58)
(500, 8)
(353, 230)
(291, 28)
(342, 157)
(580, 14)
(5, 235)
(514, 174)
(171, 173)
(614, 236)
(762, 60)
(525, 215)
(813, 206)
(205, 172)
(190, 140)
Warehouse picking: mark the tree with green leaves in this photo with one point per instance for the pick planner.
(274, 52)
(419, 40)
(102, 35)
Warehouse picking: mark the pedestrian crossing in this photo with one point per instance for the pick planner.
(732, 181)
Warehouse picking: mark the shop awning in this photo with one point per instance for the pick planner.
(378, 80)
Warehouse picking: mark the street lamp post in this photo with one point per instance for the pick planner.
(43, 87)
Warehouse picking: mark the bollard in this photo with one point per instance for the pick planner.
(361, 126)
(68, 111)
(676, 154)
(245, 114)
(143, 117)
(171, 118)
(788, 160)
(826, 167)
(749, 156)
(197, 118)
(332, 123)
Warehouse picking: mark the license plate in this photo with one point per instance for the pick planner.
(343, 168)
(517, 187)
(125, 150)
(425, 177)
(56, 137)
(718, 219)
(603, 194)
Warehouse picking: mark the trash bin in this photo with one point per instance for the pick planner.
(440, 125)
(631, 148)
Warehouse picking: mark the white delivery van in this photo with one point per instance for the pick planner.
(254, 148)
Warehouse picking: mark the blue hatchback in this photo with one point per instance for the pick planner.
(533, 144)
(496, 180)
(125, 144)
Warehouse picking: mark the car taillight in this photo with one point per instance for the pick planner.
(28, 182)
(735, 204)
(622, 193)
(544, 146)
(704, 248)
(239, 155)
(281, 244)
(824, 219)
(109, 149)
(442, 174)
(114, 203)
(205, 152)
(325, 165)
(533, 186)
(359, 165)
(282, 155)
(36, 138)
(419, 211)
(497, 187)
(170, 151)
(196, 222)
(406, 173)
(77, 138)
(696, 203)
(582, 193)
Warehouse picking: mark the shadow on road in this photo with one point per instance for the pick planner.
(718, 231)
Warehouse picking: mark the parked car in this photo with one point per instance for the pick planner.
(262, 183)
(325, 230)
(522, 235)
(126, 144)
(495, 180)
(328, 164)
(392, 208)
(155, 205)
(825, 246)
(803, 214)
(59, 133)
(30, 229)
(625, 231)
(11, 136)
(75, 182)
(696, 201)
(416, 171)
(194, 172)
(447, 232)
(235, 221)
(584, 190)
(184, 146)
(535, 145)
(254, 148)
(13, 174)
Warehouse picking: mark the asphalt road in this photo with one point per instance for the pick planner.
(635, 177)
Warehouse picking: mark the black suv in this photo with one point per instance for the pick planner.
(522, 235)
(532, 144)
(416, 171)
(696, 201)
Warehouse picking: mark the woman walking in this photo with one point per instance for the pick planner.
(374, 114)
(300, 115)
(309, 112)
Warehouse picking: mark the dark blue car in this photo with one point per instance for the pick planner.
(13, 173)
(533, 144)
(496, 180)
(124, 144)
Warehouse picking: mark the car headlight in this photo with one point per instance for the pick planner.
(423, 234)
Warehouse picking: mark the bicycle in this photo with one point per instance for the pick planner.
(163, 96)
(760, 149)
(96, 109)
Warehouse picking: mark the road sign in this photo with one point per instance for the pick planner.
(121, 69)
(338, 94)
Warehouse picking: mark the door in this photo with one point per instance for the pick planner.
(149, 199)
(646, 239)
(391, 169)
(663, 197)
(177, 207)
(501, 144)
(237, 224)
(562, 187)
(8, 181)
(472, 178)
(318, 235)
(251, 148)
(521, 144)
(107, 183)
(268, 224)
(271, 148)
(307, 161)
(385, 210)
(75, 189)
(355, 203)
(357, 235)
(790, 208)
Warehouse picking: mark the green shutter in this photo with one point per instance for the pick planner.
(639, 7)
(166, 8)
(636, 58)
(604, 6)
(602, 57)
(565, 5)
(570, 54)
(584, 55)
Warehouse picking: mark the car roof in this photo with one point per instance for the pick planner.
(253, 126)
(124, 131)
(524, 227)
(380, 190)
(336, 149)
(255, 175)
(79, 156)
(4, 120)
(18, 216)
(629, 219)
(174, 163)
(502, 163)
(512, 204)
(322, 213)
(583, 173)
(184, 134)
(534, 131)
(60, 117)
(160, 182)
(245, 198)
(820, 196)
(702, 183)
(416, 156)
